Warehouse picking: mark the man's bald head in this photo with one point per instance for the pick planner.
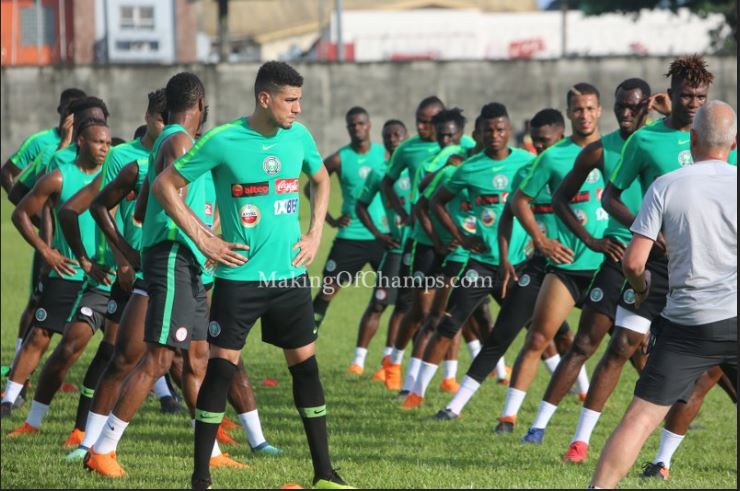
(713, 131)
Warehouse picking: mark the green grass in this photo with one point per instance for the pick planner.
(373, 443)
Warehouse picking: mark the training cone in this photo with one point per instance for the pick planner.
(291, 485)
(269, 382)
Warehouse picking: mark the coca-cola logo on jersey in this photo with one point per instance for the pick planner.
(284, 186)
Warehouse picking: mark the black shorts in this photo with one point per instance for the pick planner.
(453, 269)
(425, 262)
(388, 281)
(36, 279)
(285, 309)
(576, 282)
(477, 282)
(681, 354)
(605, 289)
(532, 275)
(117, 302)
(178, 305)
(639, 320)
(91, 306)
(57, 300)
(347, 258)
(405, 293)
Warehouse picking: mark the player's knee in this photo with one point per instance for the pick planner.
(583, 347)
(376, 307)
(620, 350)
(536, 341)
(447, 327)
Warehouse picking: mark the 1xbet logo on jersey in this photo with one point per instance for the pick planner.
(286, 206)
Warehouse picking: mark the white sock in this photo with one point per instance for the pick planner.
(110, 436)
(586, 424)
(18, 344)
(396, 356)
(216, 451)
(669, 443)
(450, 368)
(93, 428)
(161, 389)
(411, 372)
(513, 401)
(501, 369)
(544, 414)
(360, 354)
(387, 351)
(11, 391)
(468, 388)
(425, 376)
(552, 363)
(36, 416)
(474, 348)
(582, 381)
(252, 428)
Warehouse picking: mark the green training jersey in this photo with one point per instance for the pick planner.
(46, 161)
(33, 145)
(158, 226)
(459, 208)
(412, 153)
(541, 207)
(355, 168)
(612, 144)
(488, 183)
(257, 191)
(208, 217)
(402, 188)
(431, 164)
(73, 179)
(549, 169)
(118, 157)
(652, 151)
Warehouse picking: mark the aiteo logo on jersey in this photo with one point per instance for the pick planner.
(271, 165)
(250, 215)
(685, 158)
(286, 206)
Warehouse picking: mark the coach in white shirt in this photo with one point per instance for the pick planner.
(695, 208)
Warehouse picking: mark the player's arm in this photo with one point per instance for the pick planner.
(361, 209)
(633, 265)
(333, 165)
(102, 212)
(504, 230)
(141, 200)
(66, 130)
(47, 188)
(166, 190)
(438, 205)
(8, 175)
(590, 158)
(310, 241)
(70, 224)
(520, 207)
(421, 213)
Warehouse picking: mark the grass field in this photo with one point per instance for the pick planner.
(373, 442)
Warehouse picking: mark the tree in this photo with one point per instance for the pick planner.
(721, 41)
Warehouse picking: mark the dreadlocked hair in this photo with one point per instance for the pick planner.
(691, 69)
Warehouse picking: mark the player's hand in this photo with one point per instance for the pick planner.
(343, 221)
(125, 276)
(67, 129)
(223, 252)
(612, 248)
(132, 256)
(440, 248)
(659, 102)
(98, 272)
(60, 263)
(556, 251)
(388, 241)
(403, 219)
(308, 246)
(640, 297)
(507, 273)
(473, 243)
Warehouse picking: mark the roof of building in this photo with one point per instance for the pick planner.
(270, 20)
